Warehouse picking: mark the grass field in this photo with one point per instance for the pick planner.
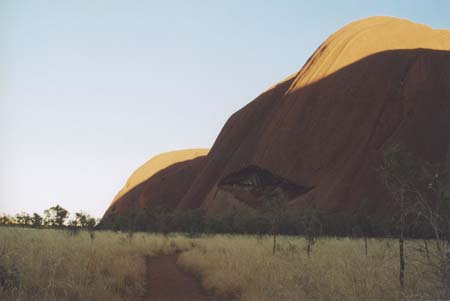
(55, 265)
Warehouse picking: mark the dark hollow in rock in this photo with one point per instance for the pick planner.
(253, 185)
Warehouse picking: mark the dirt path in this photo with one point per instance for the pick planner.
(166, 281)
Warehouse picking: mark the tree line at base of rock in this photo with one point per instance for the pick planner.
(53, 217)
(311, 221)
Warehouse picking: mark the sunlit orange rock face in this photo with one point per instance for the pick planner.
(320, 133)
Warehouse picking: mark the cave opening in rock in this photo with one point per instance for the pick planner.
(253, 185)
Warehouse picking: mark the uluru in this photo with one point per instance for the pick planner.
(320, 133)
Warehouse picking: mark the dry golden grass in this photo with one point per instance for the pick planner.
(337, 270)
(53, 265)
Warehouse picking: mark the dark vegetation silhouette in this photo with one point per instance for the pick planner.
(235, 221)
(55, 217)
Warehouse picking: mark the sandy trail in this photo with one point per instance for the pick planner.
(167, 281)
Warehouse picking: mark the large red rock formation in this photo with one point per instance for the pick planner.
(320, 134)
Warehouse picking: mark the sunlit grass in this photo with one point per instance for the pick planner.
(54, 265)
(338, 269)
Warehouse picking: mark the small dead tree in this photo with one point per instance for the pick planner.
(398, 171)
(421, 191)
(276, 204)
(433, 209)
(363, 223)
(312, 227)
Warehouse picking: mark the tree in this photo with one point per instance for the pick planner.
(312, 227)
(56, 216)
(73, 223)
(84, 220)
(6, 220)
(36, 220)
(420, 192)
(276, 203)
(23, 219)
(397, 172)
(433, 209)
(363, 222)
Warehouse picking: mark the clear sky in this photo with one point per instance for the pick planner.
(89, 90)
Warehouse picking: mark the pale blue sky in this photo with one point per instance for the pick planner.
(89, 90)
